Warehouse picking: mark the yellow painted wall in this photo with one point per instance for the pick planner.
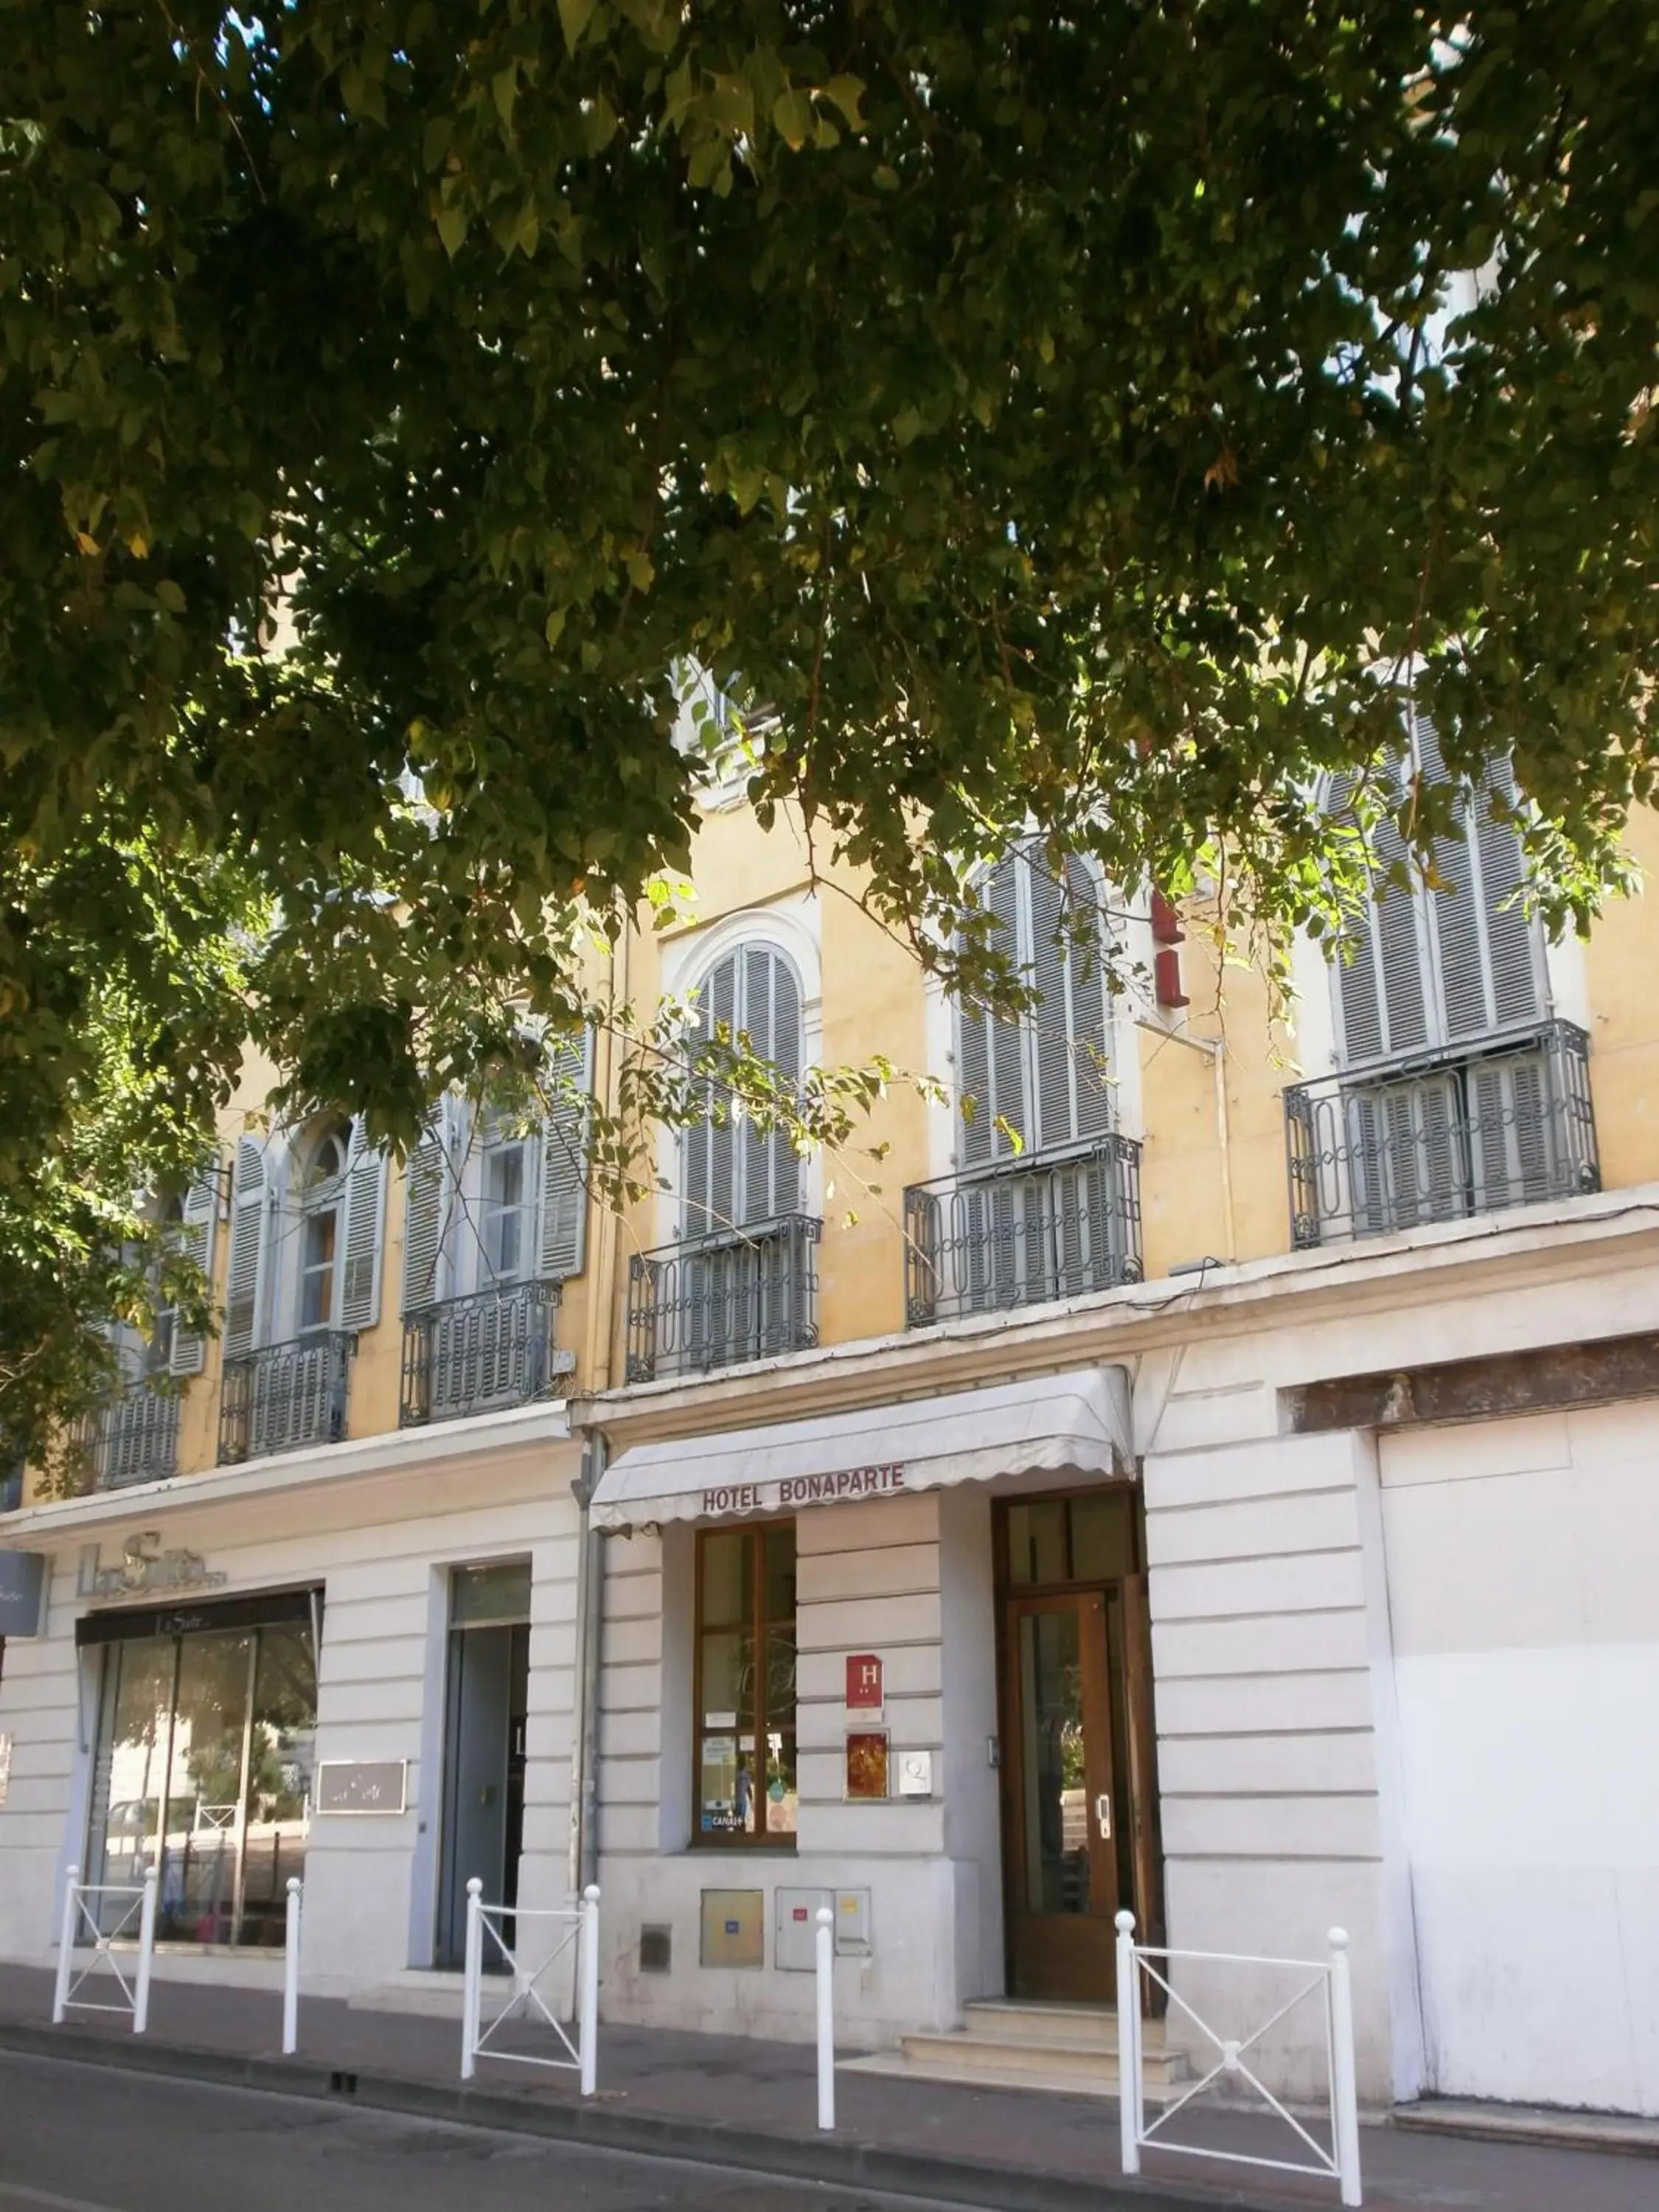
(1621, 971)
(874, 1002)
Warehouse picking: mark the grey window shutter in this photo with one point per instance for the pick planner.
(425, 1199)
(189, 1353)
(365, 1221)
(992, 1049)
(563, 1225)
(1381, 990)
(709, 1149)
(1512, 950)
(244, 1282)
(769, 1014)
(1054, 1120)
(1088, 1005)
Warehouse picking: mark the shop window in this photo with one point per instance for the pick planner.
(745, 1761)
(202, 1768)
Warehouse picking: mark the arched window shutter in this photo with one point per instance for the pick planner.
(429, 1192)
(737, 1175)
(564, 1227)
(245, 1281)
(189, 1353)
(364, 1222)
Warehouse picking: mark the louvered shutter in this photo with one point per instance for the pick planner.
(1384, 1001)
(709, 1150)
(246, 1279)
(429, 1191)
(563, 1209)
(1054, 1120)
(189, 1353)
(769, 1015)
(991, 1050)
(1089, 1006)
(364, 1222)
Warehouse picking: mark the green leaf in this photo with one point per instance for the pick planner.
(452, 227)
(575, 15)
(792, 118)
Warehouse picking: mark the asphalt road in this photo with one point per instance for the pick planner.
(78, 2138)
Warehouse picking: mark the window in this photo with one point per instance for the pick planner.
(1437, 967)
(202, 1766)
(737, 1175)
(1046, 1075)
(321, 1203)
(158, 1354)
(507, 1223)
(745, 1752)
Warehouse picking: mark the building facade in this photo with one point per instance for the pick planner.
(1213, 1478)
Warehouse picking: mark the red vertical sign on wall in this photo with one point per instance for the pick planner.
(864, 1683)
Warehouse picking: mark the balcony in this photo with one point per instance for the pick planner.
(477, 1354)
(1022, 1232)
(1442, 1136)
(133, 1437)
(738, 1294)
(285, 1396)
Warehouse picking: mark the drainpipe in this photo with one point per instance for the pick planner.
(590, 1610)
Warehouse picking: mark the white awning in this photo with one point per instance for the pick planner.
(1059, 1425)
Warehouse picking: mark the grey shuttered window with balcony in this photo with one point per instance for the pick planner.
(1457, 1093)
(495, 1220)
(1046, 1201)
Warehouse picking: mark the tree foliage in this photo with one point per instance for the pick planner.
(1089, 414)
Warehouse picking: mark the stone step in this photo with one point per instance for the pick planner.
(1090, 2064)
(1007, 2020)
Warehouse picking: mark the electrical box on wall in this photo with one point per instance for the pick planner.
(795, 1927)
(853, 1924)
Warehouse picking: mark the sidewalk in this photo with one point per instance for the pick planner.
(727, 2100)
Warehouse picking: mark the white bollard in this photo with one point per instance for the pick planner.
(65, 1947)
(471, 1989)
(589, 2007)
(291, 1971)
(1345, 2099)
(825, 1942)
(1129, 2113)
(146, 1951)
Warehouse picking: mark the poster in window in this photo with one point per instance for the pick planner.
(866, 1764)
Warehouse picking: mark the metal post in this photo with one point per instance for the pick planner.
(291, 1971)
(146, 1951)
(1345, 2100)
(825, 1942)
(65, 1946)
(590, 1989)
(474, 1977)
(1129, 2044)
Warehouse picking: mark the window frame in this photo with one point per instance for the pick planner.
(760, 1838)
(319, 1198)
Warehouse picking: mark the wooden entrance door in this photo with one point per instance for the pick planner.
(1062, 1851)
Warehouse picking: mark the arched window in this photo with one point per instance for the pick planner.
(1435, 968)
(322, 1204)
(736, 1176)
(1045, 1074)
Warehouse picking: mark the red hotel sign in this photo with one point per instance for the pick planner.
(863, 1682)
(805, 1490)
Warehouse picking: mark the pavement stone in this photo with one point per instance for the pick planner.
(751, 2104)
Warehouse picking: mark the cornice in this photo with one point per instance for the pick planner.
(1539, 1245)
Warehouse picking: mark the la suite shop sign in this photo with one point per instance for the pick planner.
(144, 1570)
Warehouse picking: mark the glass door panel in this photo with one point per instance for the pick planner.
(1061, 1799)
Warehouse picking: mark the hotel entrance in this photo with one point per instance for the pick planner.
(1079, 1792)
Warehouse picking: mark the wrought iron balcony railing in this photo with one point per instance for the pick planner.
(739, 1294)
(477, 1354)
(133, 1437)
(285, 1396)
(1022, 1232)
(1440, 1136)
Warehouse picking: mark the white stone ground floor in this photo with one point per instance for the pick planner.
(1404, 1667)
